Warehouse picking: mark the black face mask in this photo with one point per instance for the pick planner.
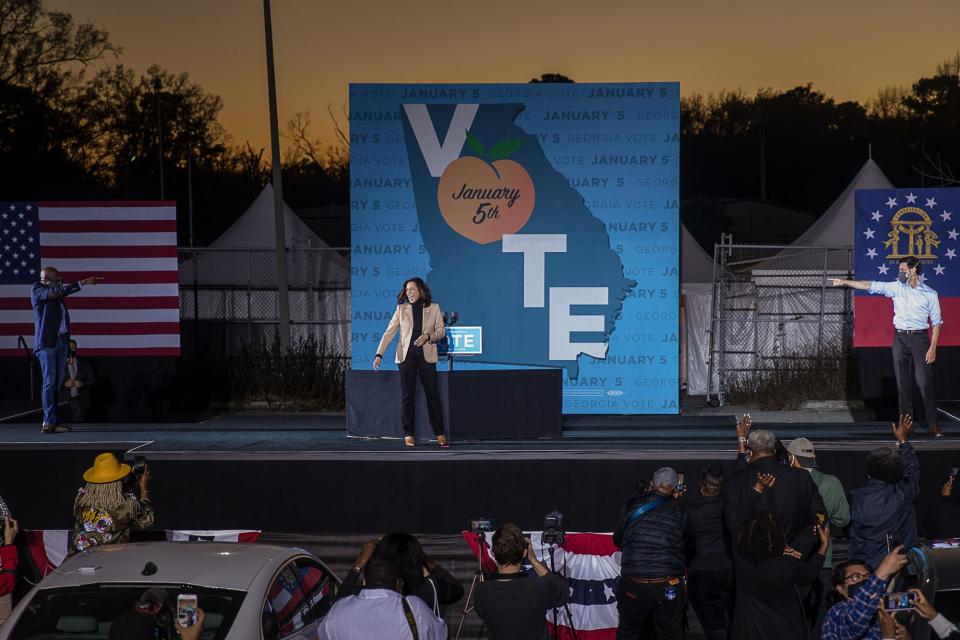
(902, 277)
(854, 588)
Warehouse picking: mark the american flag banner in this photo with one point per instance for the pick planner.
(134, 311)
(591, 564)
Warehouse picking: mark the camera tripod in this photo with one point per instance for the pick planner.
(477, 578)
(566, 605)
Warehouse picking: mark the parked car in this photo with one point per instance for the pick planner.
(248, 591)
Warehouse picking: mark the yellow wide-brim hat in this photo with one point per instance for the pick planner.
(106, 468)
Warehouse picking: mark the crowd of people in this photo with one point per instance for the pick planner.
(751, 555)
(754, 554)
(404, 592)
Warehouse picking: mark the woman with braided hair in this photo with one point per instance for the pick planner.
(105, 509)
(768, 573)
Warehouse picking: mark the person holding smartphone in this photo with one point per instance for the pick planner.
(192, 631)
(945, 629)
(854, 603)
(942, 518)
(420, 324)
(106, 508)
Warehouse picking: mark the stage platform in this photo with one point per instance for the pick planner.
(319, 436)
(301, 473)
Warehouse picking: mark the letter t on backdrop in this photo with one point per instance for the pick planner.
(534, 247)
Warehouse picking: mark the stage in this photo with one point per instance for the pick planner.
(300, 473)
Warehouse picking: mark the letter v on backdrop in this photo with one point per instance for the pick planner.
(437, 155)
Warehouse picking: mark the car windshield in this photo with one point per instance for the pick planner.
(89, 611)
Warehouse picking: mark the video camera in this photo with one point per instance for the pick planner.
(553, 532)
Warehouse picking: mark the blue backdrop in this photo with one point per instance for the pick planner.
(546, 214)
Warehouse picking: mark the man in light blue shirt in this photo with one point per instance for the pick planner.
(915, 308)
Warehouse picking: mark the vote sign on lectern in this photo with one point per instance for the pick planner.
(462, 341)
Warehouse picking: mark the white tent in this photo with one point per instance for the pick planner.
(786, 307)
(254, 233)
(696, 283)
(835, 227)
(236, 278)
(696, 265)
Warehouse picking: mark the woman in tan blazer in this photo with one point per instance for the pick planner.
(420, 324)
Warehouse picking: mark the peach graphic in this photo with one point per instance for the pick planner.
(483, 200)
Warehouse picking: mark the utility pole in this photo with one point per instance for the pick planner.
(760, 121)
(190, 194)
(284, 308)
(156, 91)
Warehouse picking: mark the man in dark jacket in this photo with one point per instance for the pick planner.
(51, 332)
(711, 570)
(794, 499)
(885, 504)
(654, 534)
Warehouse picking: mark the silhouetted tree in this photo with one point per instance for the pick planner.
(314, 173)
(117, 122)
(39, 49)
(551, 77)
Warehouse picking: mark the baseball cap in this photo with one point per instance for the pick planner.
(665, 475)
(803, 450)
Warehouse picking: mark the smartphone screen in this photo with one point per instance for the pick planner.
(187, 609)
(680, 481)
(902, 601)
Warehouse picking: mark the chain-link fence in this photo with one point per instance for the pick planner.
(774, 310)
(230, 295)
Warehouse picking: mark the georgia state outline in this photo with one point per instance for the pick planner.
(489, 292)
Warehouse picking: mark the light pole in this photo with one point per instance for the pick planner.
(284, 307)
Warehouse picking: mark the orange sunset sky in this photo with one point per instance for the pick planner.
(846, 48)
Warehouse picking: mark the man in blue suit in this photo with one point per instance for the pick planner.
(52, 333)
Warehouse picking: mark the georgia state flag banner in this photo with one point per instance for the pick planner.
(591, 564)
(897, 223)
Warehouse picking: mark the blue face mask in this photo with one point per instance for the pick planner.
(902, 277)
